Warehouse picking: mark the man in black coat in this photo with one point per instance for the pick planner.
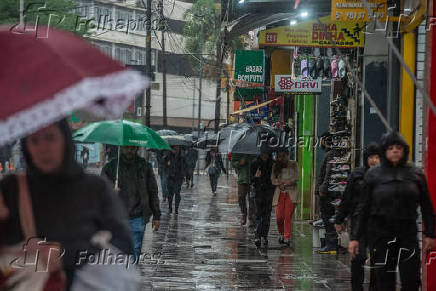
(175, 170)
(387, 215)
(138, 190)
(261, 170)
(191, 162)
(350, 199)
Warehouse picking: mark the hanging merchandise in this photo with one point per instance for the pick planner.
(304, 69)
(319, 67)
(334, 67)
(312, 68)
(327, 69)
(342, 68)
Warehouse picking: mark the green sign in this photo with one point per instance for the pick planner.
(249, 74)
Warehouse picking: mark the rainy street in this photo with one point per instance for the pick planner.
(205, 248)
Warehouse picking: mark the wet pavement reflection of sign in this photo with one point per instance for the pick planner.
(205, 248)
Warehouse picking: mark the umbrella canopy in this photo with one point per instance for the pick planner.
(208, 139)
(165, 132)
(176, 140)
(257, 140)
(229, 135)
(51, 73)
(121, 133)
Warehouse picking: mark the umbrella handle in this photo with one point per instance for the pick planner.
(118, 166)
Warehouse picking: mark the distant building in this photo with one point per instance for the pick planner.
(118, 29)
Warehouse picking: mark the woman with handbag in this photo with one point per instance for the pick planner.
(55, 201)
(285, 177)
(214, 166)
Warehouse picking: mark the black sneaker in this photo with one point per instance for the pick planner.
(281, 240)
(257, 242)
(244, 220)
(177, 211)
(265, 241)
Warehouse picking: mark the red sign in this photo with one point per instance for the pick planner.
(285, 83)
(271, 37)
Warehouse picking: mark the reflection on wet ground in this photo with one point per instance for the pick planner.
(205, 248)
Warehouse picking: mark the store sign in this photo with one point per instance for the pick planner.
(355, 10)
(314, 34)
(249, 72)
(285, 83)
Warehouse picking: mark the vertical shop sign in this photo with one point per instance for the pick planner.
(249, 74)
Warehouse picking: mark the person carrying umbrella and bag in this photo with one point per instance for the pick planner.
(52, 211)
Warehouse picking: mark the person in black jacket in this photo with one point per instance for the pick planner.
(214, 166)
(387, 215)
(261, 170)
(138, 189)
(175, 171)
(350, 199)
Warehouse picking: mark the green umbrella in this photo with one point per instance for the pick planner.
(121, 133)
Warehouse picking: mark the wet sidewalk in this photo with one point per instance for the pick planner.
(206, 248)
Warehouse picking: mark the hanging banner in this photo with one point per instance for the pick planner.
(285, 83)
(355, 10)
(249, 73)
(313, 34)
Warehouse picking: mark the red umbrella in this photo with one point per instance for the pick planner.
(45, 75)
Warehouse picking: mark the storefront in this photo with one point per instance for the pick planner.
(319, 95)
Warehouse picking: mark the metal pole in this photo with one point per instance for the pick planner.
(21, 13)
(148, 63)
(200, 79)
(164, 82)
(193, 107)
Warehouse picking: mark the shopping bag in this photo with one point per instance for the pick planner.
(31, 264)
(111, 275)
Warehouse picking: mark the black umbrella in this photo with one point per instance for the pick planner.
(176, 140)
(229, 135)
(209, 138)
(261, 138)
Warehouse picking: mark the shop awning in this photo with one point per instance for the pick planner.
(254, 107)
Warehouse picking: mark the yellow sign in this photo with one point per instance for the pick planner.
(314, 34)
(355, 10)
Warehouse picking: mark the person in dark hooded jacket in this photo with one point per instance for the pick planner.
(261, 170)
(350, 199)
(69, 206)
(387, 215)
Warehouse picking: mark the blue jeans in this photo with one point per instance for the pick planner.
(137, 227)
(163, 184)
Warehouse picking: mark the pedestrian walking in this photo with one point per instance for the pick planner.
(65, 206)
(285, 177)
(138, 190)
(387, 215)
(191, 157)
(175, 170)
(261, 170)
(161, 158)
(326, 197)
(84, 155)
(214, 166)
(241, 163)
(351, 197)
